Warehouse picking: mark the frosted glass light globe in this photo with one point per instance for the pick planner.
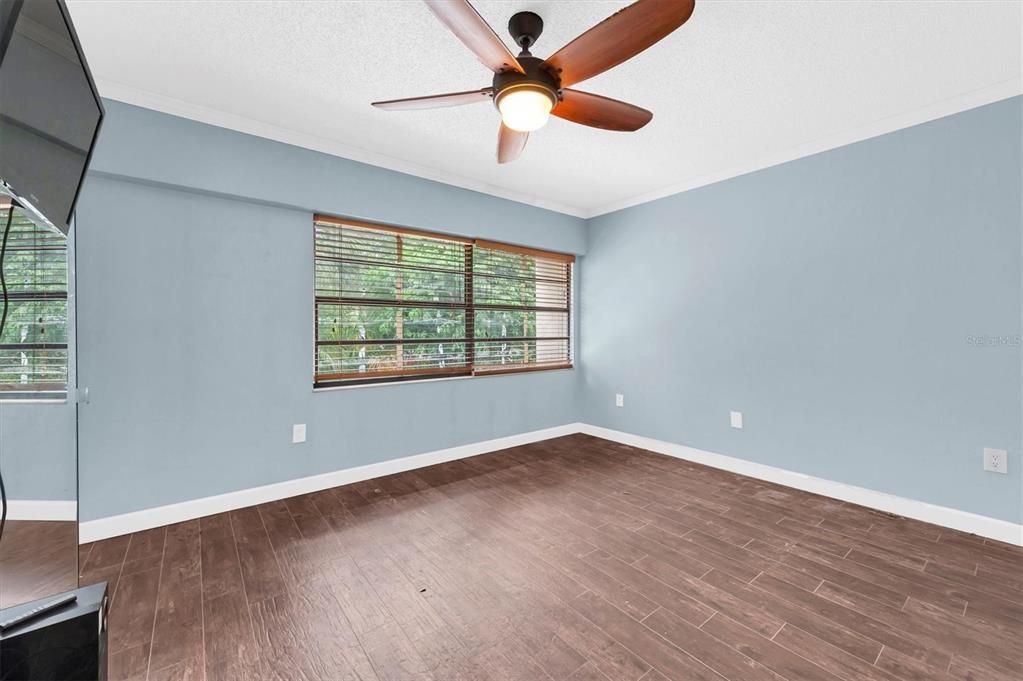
(525, 109)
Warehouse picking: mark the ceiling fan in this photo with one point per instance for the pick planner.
(526, 89)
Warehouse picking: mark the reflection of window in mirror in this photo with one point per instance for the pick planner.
(38, 528)
(34, 344)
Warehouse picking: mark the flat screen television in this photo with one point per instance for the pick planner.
(50, 110)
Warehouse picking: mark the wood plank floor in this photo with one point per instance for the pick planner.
(575, 559)
(37, 558)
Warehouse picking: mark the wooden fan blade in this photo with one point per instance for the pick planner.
(600, 112)
(510, 144)
(436, 101)
(621, 36)
(464, 21)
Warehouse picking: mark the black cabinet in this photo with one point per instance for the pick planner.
(66, 644)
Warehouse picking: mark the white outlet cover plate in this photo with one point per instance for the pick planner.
(735, 419)
(298, 433)
(619, 400)
(996, 460)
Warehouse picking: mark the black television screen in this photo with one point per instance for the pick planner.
(50, 111)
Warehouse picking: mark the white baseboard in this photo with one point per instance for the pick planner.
(992, 528)
(32, 509)
(136, 521)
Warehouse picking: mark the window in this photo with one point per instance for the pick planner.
(396, 304)
(33, 347)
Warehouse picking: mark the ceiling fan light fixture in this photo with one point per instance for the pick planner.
(527, 90)
(525, 108)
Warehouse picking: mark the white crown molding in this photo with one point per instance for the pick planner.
(992, 528)
(136, 521)
(32, 509)
(945, 107)
(222, 119)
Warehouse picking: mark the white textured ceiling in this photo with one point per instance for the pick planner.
(742, 85)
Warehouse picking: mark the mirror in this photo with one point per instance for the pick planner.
(38, 416)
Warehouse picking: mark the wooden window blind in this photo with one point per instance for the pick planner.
(34, 344)
(521, 308)
(396, 304)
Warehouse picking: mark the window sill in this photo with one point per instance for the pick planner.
(33, 400)
(518, 372)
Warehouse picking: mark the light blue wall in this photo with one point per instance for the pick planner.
(37, 451)
(196, 317)
(831, 300)
(145, 145)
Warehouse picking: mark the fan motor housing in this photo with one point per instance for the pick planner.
(536, 77)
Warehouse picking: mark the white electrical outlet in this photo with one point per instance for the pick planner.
(735, 419)
(619, 400)
(996, 460)
(298, 433)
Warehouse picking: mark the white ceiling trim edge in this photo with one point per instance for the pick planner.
(222, 119)
(940, 109)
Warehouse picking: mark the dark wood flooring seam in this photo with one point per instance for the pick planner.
(159, 582)
(202, 610)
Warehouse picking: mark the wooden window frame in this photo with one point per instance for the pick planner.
(470, 370)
